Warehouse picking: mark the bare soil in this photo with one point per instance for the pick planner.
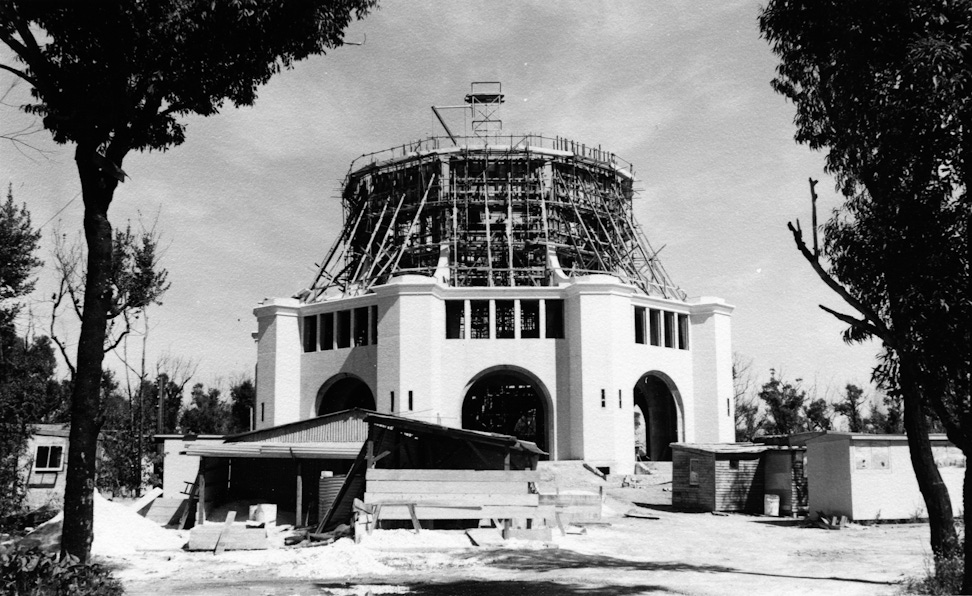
(678, 553)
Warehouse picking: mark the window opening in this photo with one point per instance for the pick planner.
(374, 323)
(310, 333)
(479, 315)
(48, 458)
(263, 410)
(505, 320)
(529, 319)
(555, 319)
(603, 399)
(344, 329)
(361, 326)
(455, 319)
(683, 338)
(392, 401)
(639, 324)
(654, 317)
(693, 472)
(327, 331)
(669, 329)
(619, 399)
(411, 403)
(734, 464)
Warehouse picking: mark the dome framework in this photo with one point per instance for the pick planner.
(489, 211)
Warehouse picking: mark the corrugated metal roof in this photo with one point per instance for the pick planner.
(277, 450)
(722, 448)
(475, 436)
(344, 426)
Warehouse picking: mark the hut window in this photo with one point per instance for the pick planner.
(639, 324)
(669, 329)
(327, 331)
(654, 320)
(529, 318)
(310, 333)
(733, 464)
(683, 338)
(505, 320)
(555, 319)
(344, 329)
(479, 313)
(48, 458)
(693, 472)
(361, 326)
(455, 319)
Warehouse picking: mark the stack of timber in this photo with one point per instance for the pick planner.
(227, 536)
(502, 496)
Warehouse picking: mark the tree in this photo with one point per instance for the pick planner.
(18, 248)
(28, 392)
(850, 408)
(884, 89)
(112, 78)
(242, 402)
(749, 419)
(785, 404)
(207, 413)
(816, 415)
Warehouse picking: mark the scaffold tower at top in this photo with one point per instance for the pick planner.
(491, 209)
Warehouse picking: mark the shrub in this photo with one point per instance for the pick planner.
(35, 573)
(943, 577)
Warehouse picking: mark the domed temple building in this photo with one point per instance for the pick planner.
(500, 283)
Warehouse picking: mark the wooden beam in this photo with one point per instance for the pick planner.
(201, 503)
(227, 525)
(299, 514)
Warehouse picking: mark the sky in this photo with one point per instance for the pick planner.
(249, 203)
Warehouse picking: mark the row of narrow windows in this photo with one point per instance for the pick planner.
(341, 329)
(661, 327)
(504, 319)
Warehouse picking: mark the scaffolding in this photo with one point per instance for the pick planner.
(489, 210)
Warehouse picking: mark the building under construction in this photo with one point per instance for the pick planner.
(500, 282)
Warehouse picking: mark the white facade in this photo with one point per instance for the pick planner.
(587, 379)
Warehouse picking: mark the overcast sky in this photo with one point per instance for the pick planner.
(249, 203)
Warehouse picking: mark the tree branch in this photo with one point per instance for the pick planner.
(876, 325)
(60, 345)
(19, 73)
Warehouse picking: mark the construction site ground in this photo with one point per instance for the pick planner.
(657, 552)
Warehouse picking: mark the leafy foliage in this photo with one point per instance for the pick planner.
(784, 401)
(850, 408)
(242, 402)
(206, 414)
(36, 573)
(18, 248)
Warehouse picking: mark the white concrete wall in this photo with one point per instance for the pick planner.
(279, 350)
(711, 347)
(179, 469)
(598, 352)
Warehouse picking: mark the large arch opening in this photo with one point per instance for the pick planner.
(658, 411)
(344, 392)
(507, 402)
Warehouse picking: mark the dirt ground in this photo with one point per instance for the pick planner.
(678, 553)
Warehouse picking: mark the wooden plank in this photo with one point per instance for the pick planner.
(456, 499)
(455, 475)
(401, 512)
(439, 488)
(227, 526)
(201, 502)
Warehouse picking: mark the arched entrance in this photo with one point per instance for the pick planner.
(659, 412)
(344, 392)
(508, 402)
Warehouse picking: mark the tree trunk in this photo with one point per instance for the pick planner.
(97, 189)
(966, 501)
(944, 540)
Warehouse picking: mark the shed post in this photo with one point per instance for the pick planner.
(201, 492)
(298, 519)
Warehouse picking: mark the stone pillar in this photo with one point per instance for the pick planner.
(279, 351)
(711, 337)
